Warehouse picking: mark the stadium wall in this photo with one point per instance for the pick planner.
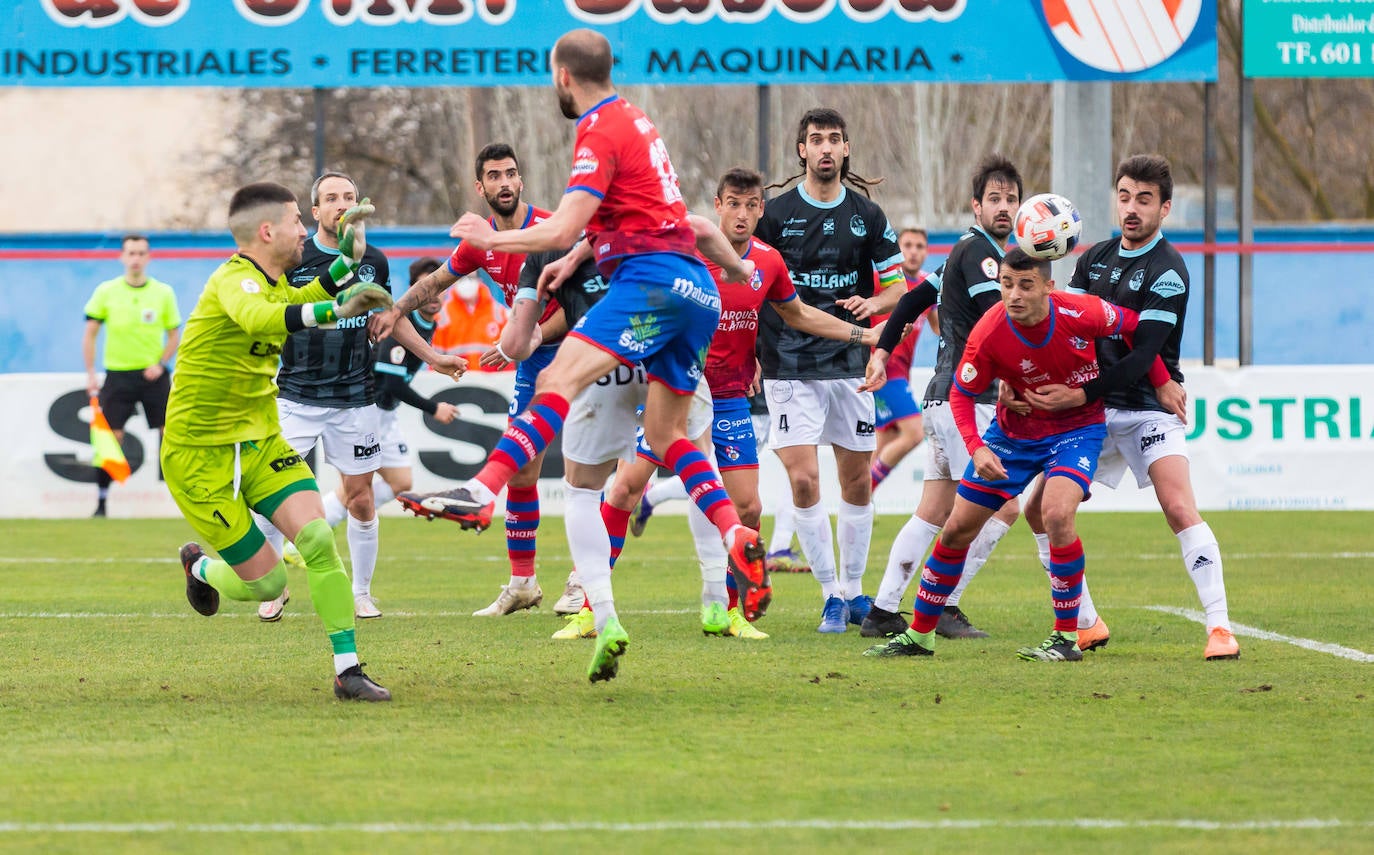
(1260, 438)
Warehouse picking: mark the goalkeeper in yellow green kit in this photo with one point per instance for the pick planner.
(223, 455)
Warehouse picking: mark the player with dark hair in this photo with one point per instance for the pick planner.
(661, 310)
(498, 179)
(224, 456)
(833, 241)
(968, 287)
(1033, 337)
(142, 328)
(328, 393)
(1141, 270)
(732, 372)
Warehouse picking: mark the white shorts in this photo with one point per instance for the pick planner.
(351, 435)
(820, 412)
(762, 421)
(604, 421)
(395, 450)
(947, 457)
(1135, 439)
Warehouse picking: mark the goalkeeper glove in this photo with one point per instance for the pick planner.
(351, 302)
(352, 241)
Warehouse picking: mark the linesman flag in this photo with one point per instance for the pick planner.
(105, 451)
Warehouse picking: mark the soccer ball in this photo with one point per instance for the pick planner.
(1048, 226)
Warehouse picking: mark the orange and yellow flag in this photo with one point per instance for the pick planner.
(105, 450)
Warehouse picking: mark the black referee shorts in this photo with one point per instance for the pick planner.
(124, 389)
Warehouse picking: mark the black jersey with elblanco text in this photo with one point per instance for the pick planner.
(331, 367)
(832, 250)
(1152, 281)
(969, 285)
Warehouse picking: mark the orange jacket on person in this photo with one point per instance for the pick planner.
(469, 332)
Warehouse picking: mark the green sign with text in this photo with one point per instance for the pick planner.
(1309, 38)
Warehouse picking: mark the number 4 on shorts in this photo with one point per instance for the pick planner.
(782, 423)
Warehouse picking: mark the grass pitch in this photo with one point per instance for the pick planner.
(132, 724)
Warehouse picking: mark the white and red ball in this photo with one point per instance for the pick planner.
(1047, 226)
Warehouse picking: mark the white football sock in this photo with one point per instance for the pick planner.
(784, 526)
(590, 547)
(978, 553)
(271, 532)
(334, 510)
(710, 555)
(813, 531)
(854, 533)
(479, 492)
(1202, 560)
(666, 490)
(362, 552)
(381, 493)
(904, 561)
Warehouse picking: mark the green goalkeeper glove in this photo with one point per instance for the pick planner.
(352, 241)
(351, 302)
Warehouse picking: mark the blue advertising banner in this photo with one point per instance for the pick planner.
(328, 43)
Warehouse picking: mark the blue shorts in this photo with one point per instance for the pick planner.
(526, 372)
(661, 310)
(893, 402)
(1072, 454)
(732, 432)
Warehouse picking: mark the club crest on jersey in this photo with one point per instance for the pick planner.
(1137, 279)
(1078, 343)
(250, 287)
(857, 226)
(756, 281)
(367, 273)
(990, 268)
(584, 162)
(967, 373)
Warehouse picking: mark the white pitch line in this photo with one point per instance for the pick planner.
(1254, 632)
(652, 559)
(459, 827)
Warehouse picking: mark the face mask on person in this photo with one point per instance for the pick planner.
(467, 289)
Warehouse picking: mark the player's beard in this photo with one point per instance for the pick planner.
(503, 210)
(825, 173)
(566, 105)
(1000, 229)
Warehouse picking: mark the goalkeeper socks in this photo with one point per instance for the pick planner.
(527, 434)
(362, 551)
(345, 648)
(522, 523)
(221, 576)
(324, 572)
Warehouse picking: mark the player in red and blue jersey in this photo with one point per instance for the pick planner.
(1034, 338)
(731, 368)
(498, 180)
(661, 310)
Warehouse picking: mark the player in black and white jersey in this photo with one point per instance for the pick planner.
(833, 239)
(328, 392)
(1141, 270)
(968, 287)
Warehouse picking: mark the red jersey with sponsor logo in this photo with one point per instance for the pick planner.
(730, 361)
(620, 159)
(502, 267)
(899, 362)
(1059, 350)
